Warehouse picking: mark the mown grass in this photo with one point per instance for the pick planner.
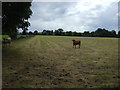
(51, 62)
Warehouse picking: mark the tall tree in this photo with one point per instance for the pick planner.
(44, 32)
(86, 34)
(92, 33)
(24, 32)
(60, 30)
(15, 15)
(113, 33)
(102, 33)
(56, 32)
(35, 32)
(30, 33)
(75, 34)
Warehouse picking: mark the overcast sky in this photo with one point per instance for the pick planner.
(85, 15)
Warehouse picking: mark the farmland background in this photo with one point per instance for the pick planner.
(51, 61)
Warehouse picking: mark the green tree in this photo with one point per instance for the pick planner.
(86, 34)
(30, 33)
(102, 33)
(35, 32)
(113, 33)
(24, 32)
(60, 30)
(15, 15)
(92, 34)
(49, 32)
(44, 32)
(75, 34)
(56, 32)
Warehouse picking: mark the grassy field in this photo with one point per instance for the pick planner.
(51, 62)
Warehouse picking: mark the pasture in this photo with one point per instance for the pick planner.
(52, 62)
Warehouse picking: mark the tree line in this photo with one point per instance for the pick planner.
(60, 32)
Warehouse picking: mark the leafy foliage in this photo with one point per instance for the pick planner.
(35, 32)
(15, 15)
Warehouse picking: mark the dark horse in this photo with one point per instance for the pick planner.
(76, 43)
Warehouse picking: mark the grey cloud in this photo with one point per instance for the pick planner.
(119, 15)
(50, 11)
(97, 7)
(54, 15)
(108, 18)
